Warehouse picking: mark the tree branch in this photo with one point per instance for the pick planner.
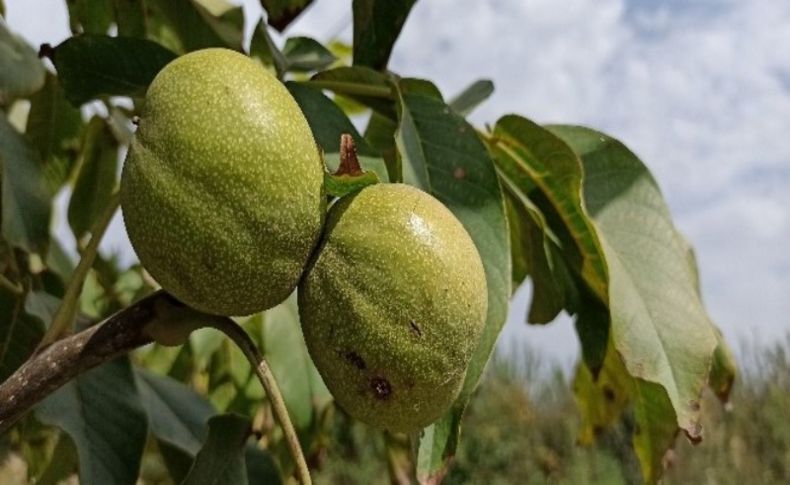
(158, 316)
(55, 365)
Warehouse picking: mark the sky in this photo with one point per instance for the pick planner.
(699, 89)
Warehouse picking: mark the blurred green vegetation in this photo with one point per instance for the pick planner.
(522, 424)
(521, 428)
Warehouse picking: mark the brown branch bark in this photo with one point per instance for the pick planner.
(159, 315)
(55, 365)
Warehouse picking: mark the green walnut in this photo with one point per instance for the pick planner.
(222, 189)
(393, 305)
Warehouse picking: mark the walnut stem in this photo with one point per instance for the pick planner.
(349, 163)
(269, 383)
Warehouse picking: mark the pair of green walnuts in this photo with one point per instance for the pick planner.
(223, 199)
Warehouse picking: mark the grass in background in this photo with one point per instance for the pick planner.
(521, 428)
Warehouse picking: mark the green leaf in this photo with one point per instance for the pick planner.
(305, 54)
(326, 119)
(399, 452)
(442, 154)
(130, 17)
(63, 464)
(536, 164)
(20, 333)
(361, 84)
(58, 261)
(413, 85)
(177, 462)
(341, 185)
(353, 80)
(261, 467)
(724, 369)
(90, 66)
(25, 198)
(328, 122)
(90, 16)
(380, 133)
(534, 253)
(221, 460)
(437, 446)
(42, 306)
(341, 50)
(520, 240)
(283, 346)
(658, 324)
(203, 344)
(377, 25)
(531, 156)
(471, 97)
(101, 411)
(656, 429)
(350, 107)
(601, 398)
(21, 71)
(593, 328)
(280, 13)
(188, 25)
(225, 18)
(53, 127)
(179, 419)
(96, 177)
(263, 48)
(177, 415)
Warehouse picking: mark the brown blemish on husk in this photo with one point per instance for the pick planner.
(355, 359)
(381, 387)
